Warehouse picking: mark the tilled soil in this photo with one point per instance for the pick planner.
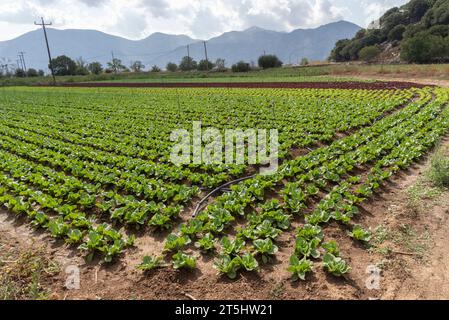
(415, 267)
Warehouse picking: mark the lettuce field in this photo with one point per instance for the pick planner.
(91, 167)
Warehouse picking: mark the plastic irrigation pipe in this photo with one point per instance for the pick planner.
(200, 204)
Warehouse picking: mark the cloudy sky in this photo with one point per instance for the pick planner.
(136, 19)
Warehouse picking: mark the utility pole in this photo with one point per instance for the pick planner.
(43, 24)
(22, 59)
(205, 52)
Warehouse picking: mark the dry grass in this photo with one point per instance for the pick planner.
(22, 274)
(439, 170)
(438, 71)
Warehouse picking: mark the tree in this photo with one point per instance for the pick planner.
(416, 49)
(360, 34)
(187, 64)
(81, 67)
(438, 14)
(304, 62)
(116, 65)
(392, 19)
(337, 53)
(439, 30)
(155, 68)
(95, 67)
(41, 73)
(396, 33)
(439, 50)
(373, 37)
(172, 67)
(241, 66)
(19, 73)
(352, 50)
(425, 48)
(417, 9)
(369, 54)
(204, 65)
(412, 30)
(63, 66)
(32, 72)
(137, 66)
(269, 61)
(220, 65)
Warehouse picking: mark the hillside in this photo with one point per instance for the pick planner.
(417, 32)
(248, 45)
(159, 49)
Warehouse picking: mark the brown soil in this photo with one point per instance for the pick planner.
(418, 80)
(409, 247)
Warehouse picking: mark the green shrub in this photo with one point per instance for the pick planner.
(369, 54)
(172, 67)
(269, 61)
(425, 48)
(205, 65)
(396, 33)
(304, 62)
(241, 66)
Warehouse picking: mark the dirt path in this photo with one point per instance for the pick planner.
(409, 219)
(414, 227)
(434, 82)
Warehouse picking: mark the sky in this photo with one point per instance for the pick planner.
(200, 19)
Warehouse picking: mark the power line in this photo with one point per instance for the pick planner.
(205, 52)
(43, 24)
(113, 62)
(188, 56)
(19, 62)
(22, 59)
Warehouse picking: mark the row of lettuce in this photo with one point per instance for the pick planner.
(91, 165)
(325, 186)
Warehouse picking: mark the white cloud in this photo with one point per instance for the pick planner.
(136, 19)
(375, 9)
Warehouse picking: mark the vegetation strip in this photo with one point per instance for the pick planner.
(269, 85)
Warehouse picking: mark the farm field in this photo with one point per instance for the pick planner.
(91, 167)
(433, 73)
(305, 74)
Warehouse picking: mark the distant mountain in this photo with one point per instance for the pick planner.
(159, 49)
(90, 44)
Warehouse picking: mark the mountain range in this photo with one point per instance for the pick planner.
(159, 49)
